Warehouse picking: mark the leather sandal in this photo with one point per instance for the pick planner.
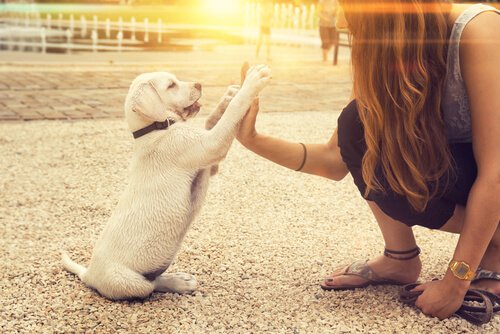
(363, 270)
(485, 274)
(478, 308)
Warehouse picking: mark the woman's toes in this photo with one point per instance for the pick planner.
(338, 279)
(347, 280)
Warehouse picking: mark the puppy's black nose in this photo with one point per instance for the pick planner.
(197, 86)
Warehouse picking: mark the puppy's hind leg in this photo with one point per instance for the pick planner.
(175, 283)
(123, 283)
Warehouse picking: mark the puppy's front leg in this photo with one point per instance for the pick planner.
(221, 107)
(215, 116)
(223, 132)
(211, 146)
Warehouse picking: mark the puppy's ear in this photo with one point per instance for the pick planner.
(147, 102)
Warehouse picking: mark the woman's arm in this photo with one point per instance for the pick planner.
(479, 54)
(322, 159)
(479, 51)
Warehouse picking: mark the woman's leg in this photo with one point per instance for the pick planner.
(491, 258)
(397, 237)
(259, 43)
(324, 52)
(268, 47)
(325, 47)
(491, 261)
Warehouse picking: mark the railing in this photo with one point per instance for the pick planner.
(30, 31)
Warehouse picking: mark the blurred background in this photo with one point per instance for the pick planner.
(52, 26)
(152, 25)
(68, 26)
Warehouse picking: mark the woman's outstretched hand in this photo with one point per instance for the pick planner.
(246, 131)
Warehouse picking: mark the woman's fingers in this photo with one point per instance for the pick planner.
(244, 70)
(420, 287)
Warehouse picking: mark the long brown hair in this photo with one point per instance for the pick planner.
(399, 64)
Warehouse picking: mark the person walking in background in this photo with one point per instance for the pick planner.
(327, 12)
(265, 23)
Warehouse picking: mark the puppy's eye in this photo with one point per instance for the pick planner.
(172, 85)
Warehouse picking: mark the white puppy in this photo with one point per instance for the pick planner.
(168, 181)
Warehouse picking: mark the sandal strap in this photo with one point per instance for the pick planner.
(495, 299)
(363, 270)
(486, 274)
(478, 315)
(414, 253)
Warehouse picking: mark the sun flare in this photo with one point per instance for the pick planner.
(222, 7)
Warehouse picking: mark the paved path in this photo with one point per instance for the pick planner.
(85, 86)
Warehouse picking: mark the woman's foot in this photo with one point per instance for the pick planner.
(490, 262)
(402, 271)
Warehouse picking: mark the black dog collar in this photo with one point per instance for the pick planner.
(155, 126)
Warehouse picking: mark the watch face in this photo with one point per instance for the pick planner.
(461, 270)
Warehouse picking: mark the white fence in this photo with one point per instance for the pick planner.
(30, 31)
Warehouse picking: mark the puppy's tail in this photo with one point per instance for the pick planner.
(72, 267)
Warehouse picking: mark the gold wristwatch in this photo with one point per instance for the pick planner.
(461, 270)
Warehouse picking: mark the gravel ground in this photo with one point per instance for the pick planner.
(264, 239)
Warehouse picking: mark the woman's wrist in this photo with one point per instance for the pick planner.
(248, 140)
(456, 283)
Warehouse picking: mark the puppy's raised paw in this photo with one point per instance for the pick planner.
(257, 78)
